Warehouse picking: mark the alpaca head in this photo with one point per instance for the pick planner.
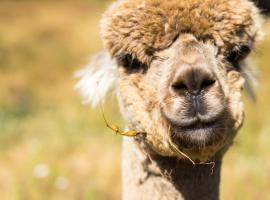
(180, 69)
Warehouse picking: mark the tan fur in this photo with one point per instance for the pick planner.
(170, 38)
(142, 27)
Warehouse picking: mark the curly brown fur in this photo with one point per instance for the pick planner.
(143, 27)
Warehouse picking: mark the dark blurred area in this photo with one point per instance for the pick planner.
(264, 5)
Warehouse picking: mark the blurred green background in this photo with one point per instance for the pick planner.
(53, 147)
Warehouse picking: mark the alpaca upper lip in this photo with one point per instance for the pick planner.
(199, 120)
(200, 125)
(195, 121)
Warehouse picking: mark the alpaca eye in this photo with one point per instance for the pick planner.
(130, 63)
(237, 55)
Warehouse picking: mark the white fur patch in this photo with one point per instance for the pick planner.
(250, 74)
(97, 78)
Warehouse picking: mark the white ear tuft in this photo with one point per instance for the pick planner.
(250, 74)
(97, 78)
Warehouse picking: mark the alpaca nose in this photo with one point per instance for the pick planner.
(193, 81)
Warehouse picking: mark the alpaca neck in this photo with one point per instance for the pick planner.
(165, 177)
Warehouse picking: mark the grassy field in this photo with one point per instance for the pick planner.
(53, 147)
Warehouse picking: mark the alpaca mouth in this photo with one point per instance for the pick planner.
(199, 125)
(199, 121)
(198, 134)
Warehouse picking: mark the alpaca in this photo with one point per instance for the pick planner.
(178, 68)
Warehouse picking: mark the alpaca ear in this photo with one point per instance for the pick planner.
(97, 78)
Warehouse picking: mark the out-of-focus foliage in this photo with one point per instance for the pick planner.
(52, 146)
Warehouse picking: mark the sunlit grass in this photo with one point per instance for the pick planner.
(52, 146)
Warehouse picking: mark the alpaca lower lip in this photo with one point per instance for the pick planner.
(198, 125)
(198, 134)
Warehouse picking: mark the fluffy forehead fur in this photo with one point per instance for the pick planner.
(143, 27)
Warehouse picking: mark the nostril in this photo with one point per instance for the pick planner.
(192, 87)
(207, 83)
(180, 86)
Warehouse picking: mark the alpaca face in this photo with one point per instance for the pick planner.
(193, 93)
(188, 95)
(180, 73)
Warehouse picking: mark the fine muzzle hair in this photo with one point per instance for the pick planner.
(178, 70)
